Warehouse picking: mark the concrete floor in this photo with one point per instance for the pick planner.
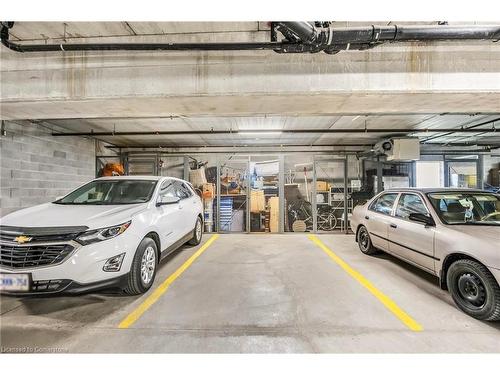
(258, 293)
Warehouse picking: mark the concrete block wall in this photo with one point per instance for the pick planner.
(37, 167)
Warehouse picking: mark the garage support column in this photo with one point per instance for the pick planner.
(186, 168)
(217, 211)
(281, 193)
(248, 197)
(380, 185)
(480, 172)
(346, 185)
(313, 198)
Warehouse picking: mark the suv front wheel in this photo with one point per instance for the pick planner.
(143, 270)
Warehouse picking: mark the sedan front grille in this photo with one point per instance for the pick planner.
(33, 256)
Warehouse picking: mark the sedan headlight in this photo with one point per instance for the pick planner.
(98, 235)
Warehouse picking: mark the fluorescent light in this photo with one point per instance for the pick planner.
(259, 132)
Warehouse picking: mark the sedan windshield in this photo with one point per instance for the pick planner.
(101, 192)
(467, 208)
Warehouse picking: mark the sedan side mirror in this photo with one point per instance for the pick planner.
(422, 218)
(162, 201)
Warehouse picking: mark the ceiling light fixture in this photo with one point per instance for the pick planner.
(260, 132)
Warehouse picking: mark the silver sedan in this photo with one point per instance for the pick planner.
(453, 234)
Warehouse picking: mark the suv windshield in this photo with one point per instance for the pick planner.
(467, 208)
(111, 192)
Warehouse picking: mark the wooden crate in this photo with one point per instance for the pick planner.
(274, 214)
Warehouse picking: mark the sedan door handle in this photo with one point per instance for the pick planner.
(394, 226)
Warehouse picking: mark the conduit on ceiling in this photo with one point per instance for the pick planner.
(297, 37)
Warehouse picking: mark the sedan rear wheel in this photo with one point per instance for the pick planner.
(365, 242)
(474, 289)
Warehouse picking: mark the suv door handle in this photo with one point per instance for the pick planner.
(394, 226)
(367, 217)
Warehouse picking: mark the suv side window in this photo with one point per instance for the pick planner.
(167, 189)
(408, 204)
(182, 190)
(384, 203)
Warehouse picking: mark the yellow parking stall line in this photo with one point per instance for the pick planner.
(385, 300)
(163, 287)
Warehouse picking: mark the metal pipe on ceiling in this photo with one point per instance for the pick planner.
(470, 129)
(66, 47)
(309, 38)
(299, 37)
(305, 146)
(251, 132)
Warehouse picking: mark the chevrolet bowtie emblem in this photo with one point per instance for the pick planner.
(22, 239)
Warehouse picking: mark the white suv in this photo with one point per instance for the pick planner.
(109, 233)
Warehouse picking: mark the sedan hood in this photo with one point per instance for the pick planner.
(487, 232)
(59, 215)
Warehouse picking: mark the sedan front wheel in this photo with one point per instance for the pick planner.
(474, 289)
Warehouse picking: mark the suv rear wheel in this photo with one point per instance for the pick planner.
(197, 233)
(474, 289)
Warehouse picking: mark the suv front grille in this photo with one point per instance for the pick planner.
(40, 234)
(33, 256)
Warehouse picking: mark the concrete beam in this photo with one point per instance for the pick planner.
(256, 104)
(399, 78)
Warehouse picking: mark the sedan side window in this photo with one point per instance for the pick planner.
(409, 204)
(384, 203)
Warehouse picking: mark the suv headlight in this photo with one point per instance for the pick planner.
(98, 235)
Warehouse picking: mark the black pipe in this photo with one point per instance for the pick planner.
(300, 37)
(272, 131)
(304, 31)
(332, 40)
(241, 46)
(470, 129)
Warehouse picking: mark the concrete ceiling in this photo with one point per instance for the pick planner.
(240, 124)
(404, 86)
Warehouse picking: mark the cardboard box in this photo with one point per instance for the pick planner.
(321, 186)
(197, 177)
(257, 201)
(208, 191)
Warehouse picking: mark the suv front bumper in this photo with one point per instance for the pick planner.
(82, 270)
(70, 287)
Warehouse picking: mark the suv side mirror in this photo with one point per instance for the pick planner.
(422, 218)
(162, 201)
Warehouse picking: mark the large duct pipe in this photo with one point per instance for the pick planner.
(334, 39)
